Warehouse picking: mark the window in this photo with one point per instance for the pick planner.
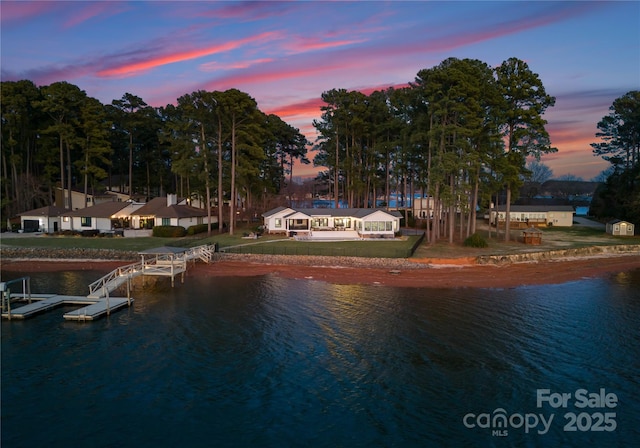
(166, 221)
(85, 221)
(278, 223)
(320, 222)
(378, 226)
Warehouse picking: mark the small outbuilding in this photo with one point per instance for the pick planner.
(532, 236)
(620, 228)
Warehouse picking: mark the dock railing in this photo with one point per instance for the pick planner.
(161, 264)
(114, 279)
(5, 291)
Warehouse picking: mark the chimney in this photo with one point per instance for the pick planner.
(172, 199)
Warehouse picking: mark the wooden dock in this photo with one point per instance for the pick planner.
(164, 261)
(92, 309)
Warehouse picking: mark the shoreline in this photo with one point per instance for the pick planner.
(445, 273)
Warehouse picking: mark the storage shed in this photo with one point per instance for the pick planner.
(620, 227)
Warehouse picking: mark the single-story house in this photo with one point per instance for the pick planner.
(523, 216)
(44, 219)
(619, 227)
(329, 223)
(103, 217)
(166, 211)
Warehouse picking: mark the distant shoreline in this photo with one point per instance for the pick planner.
(437, 273)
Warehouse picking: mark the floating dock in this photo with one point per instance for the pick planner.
(92, 309)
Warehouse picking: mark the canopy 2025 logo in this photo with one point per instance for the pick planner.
(594, 415)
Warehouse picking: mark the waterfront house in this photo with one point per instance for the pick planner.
(523, 216)
(621, 228)
(327, 223)
(166, 211)
(105, 217)
(44, 219)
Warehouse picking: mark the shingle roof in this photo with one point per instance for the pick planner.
(49, 210)
(274, 211)
(345, 212)
(151, 207)
(158, 207)
(537, 208)
(180, 211)
(102, 210)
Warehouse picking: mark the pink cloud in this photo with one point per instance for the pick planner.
(211, 66)
(300, 45)
(14, 12)
(134, 68)
(250, 11)
(95, 9)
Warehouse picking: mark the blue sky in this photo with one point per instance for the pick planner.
(285, 54)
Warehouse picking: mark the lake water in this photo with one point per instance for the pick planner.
(273, 362)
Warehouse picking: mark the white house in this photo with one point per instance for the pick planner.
(103, 217)
(342, 223)
(165, 211)
(619, 227)
(44, 219)
(534, 215)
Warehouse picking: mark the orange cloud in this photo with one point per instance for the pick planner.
(171, 58)
(307, 107)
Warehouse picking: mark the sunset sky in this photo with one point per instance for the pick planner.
(285, 54)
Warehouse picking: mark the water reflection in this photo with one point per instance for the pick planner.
(269, 361)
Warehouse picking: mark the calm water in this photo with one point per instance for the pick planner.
(271, 362)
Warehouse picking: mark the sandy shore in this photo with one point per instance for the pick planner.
(402, 273)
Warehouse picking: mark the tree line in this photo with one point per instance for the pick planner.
(619, 132)
(460, 133)
(208, 145)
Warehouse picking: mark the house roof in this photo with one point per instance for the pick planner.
(151, 207)
(537, 208)
(274, 211)
(158, 207)
(102, 210)
(50, 210)
(180, 211)
(617, 221)
(342, 212)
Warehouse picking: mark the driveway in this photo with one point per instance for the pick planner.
(586, 222)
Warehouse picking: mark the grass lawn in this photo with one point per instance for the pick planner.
(553, 238)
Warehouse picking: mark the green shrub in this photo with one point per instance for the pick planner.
(169, 231)
(475, 240)
(200, 228)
